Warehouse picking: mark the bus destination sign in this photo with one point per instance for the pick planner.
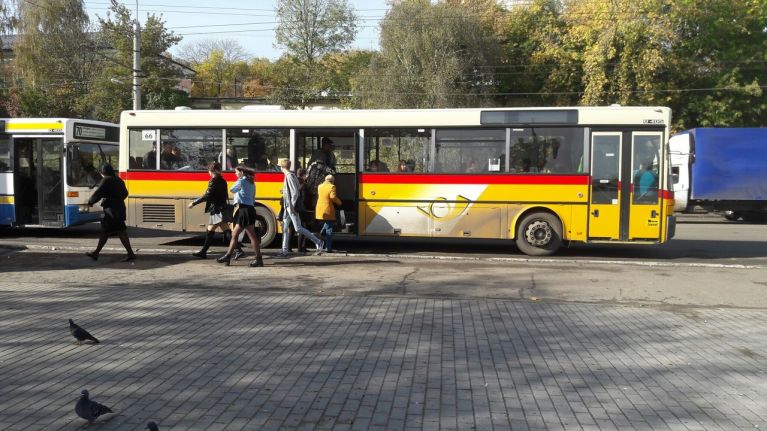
(89, 132)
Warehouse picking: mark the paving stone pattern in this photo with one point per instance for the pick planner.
(204, 359)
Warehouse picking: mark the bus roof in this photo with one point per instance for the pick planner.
(43, 125)
(465, 117)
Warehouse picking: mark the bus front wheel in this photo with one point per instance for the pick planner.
(539, 234)
(266, 226)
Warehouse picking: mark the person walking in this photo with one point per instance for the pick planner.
(244, 216)
(216, 200)
(290, 197)
(327, 200)
(112, 193)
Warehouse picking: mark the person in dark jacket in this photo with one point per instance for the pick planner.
(216, 200)
(112, 193)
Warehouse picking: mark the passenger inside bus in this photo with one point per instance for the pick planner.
(170, 158)
(151, 158)
(377, 166)
(325, 153)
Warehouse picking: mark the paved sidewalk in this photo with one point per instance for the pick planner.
(231, 359)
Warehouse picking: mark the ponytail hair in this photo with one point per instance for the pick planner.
(248, 172)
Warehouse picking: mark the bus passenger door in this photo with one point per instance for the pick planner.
(25, 181)
(50, 182)
(646, 205)
(605, 202)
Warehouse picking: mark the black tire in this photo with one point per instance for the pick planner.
(266, 225)
(731, 215)
(539, 234)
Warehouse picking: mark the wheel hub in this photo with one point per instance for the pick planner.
(538, 233)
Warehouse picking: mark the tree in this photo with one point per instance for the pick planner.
(308, 30)
(721, 54)
(535, 68)
(432, 56)
(54, 59)
(219, 65)
(111, 91)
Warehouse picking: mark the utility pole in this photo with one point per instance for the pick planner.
(136, 62)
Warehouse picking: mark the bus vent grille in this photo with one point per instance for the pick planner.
(158, 213)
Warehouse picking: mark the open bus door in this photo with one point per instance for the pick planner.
(622, 207)
(38, 183)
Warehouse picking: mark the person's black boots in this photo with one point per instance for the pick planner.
(203, 253)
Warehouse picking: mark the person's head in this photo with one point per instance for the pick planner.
(244, 171)
(327, 144)
(375, 165)
(231, 152)
(284, 164)
(175, 151)
(107, 170)
(403, 166)
(301, 172)
(214, 168)
(167, 148)
(330, 178)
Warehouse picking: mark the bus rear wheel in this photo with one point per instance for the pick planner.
(266, 226)
(539, 234)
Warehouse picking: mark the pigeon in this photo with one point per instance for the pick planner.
(89, 410)
(80, 333)
(151, 426)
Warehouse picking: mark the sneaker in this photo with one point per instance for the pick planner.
(93, 255)
(238, 254)
(225, 259)
(320, 248)
(282, 255)
(129, 258)
(256, 263)
(201, 254)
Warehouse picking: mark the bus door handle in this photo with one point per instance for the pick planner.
(654, 214)
(595, 213)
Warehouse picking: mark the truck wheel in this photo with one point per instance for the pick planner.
(539, 234)
(266, 226)
(731, 215)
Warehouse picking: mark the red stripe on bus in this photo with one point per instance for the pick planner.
(473, 179)
(267, 177)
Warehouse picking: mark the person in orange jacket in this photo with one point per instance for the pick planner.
(325, 211)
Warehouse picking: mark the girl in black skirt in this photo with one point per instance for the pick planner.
(112, 193)
(245, 216)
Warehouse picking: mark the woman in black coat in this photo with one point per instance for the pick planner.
(112, 193)
(216, 200)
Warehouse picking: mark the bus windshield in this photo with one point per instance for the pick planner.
(83, 161)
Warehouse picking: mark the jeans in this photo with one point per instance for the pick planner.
(327, 232)
(292, 217)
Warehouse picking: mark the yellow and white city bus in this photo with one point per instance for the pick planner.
(49, 169)
(538, 176)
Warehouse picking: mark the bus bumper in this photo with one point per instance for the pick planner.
(73, 216)
(7, 214)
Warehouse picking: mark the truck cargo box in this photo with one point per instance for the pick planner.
(730, 164)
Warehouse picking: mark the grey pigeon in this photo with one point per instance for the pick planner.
(80, 333)
(89, 410)
(151, 426)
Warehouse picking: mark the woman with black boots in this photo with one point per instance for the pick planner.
(245, 215)
(216, 200)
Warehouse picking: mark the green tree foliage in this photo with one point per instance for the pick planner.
(309, 30)
(432, 56)
(703, 58)
(535, 68)
(53, 60)
(111, 91)
(722, 46)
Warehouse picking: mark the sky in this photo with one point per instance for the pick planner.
(249, 22)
